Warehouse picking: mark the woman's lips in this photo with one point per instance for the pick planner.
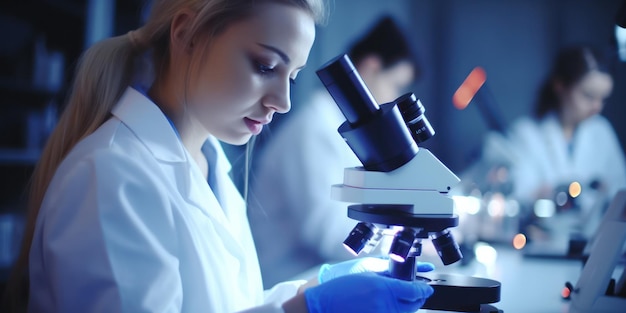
(254, 126)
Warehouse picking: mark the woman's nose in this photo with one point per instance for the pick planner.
(278, 99)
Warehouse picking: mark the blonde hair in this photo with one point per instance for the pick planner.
(104, 71)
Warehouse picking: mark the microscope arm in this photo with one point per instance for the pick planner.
(423, 183)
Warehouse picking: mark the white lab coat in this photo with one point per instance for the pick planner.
(295, 222)
(540, 155)
(129, 224)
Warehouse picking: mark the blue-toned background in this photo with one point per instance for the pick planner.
(513, 40)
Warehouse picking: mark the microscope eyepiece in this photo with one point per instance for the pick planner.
(347, 88)
(412, 112)
(377, 134)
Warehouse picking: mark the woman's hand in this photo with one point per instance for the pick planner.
(366, 292)
(362, 265)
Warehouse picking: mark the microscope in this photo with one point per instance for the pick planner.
(401, 190)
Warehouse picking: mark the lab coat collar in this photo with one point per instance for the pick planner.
(144, 118)
(151, 126)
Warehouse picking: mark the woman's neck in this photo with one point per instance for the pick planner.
(568, 125)
(191, 132)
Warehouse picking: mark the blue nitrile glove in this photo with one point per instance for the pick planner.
(367, 292)
(362, 265)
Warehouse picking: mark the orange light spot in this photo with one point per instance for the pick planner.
(468, 89)
(519, 241)
(575, 189)
(565, 293)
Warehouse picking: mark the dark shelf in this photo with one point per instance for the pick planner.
(38, 33)
(22, 94)
(44, 9)
(61, 20)
(18, 156)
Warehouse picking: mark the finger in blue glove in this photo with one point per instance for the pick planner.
(425, 267)
(359, 265)
(362, 265)
(367, 292)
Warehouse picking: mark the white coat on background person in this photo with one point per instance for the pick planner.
(544, 157)
(152, 225)
(296, 224)
(290, 225)
(567, 140)
(544, 163)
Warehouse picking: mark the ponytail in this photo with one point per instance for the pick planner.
(103, 73)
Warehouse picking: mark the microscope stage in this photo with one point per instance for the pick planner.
(460, 293)
(400, 215)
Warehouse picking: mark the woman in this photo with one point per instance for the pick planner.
(567, 140)
(122, 217)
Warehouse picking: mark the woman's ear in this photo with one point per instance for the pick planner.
(180, 33)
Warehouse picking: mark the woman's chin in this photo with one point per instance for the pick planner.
(238, 140)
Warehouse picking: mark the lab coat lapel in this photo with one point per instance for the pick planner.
(229, 197)
(150, 125)
(235, 210)
(200, 195)
(152, 128)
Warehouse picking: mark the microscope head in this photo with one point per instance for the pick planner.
(383, 137)
(400, 187)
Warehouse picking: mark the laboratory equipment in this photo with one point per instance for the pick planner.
(401, 190)
(596, 289)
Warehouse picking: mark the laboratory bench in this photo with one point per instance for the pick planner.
(528, 283)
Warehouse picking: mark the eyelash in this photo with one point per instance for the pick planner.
(268, 70)
(264, 69)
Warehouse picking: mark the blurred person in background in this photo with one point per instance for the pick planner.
(295, 222)
(567, 152)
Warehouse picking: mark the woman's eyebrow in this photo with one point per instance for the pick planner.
(280, 53)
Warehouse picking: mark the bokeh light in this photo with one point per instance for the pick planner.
(468, 89)
(575, 189)
(519, 241)
(561, 198)
(512, 208)
(565, 293)
(469, 204)
(485, 254)
(544, 208)
(496, 205)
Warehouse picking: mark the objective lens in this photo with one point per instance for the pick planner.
(401, 245)
(359, 236)
(446, 247)
(412, 112)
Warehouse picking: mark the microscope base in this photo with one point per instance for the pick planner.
(461, 293)
(484, 308)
